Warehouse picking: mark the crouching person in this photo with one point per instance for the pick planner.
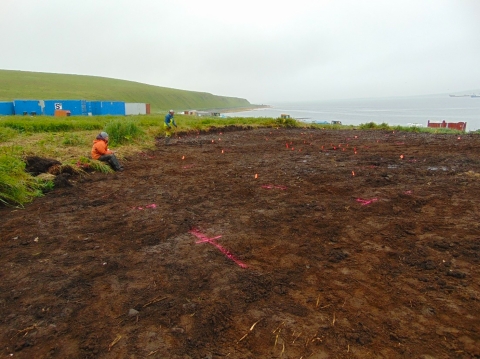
(101, 152)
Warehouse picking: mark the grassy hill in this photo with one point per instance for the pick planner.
(45, 86)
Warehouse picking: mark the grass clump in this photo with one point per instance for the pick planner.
(17, 187)
(86, 163)
(72, 139)
(121, 131)
(7, 134)
(374, 126)
(286, 122)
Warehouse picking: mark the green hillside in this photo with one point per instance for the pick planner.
(45, 86)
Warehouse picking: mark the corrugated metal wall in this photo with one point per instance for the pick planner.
(76, 107)
(135, 109)
(6, 108)
(28, 107)
(108, 108)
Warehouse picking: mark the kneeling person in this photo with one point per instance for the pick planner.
(101, 152)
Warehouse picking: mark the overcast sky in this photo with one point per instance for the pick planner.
(264, 51)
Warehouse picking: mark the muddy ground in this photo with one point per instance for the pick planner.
(267, 243)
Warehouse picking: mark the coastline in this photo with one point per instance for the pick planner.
(238, 109)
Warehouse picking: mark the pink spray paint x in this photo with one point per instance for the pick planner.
(204, 239)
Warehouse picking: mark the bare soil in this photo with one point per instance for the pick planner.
(265, 243)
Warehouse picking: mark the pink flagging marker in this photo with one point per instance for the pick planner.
(204, 239)
(366, 202)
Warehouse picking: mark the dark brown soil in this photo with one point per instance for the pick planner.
(268, 243)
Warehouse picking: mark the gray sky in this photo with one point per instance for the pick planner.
(259, 50)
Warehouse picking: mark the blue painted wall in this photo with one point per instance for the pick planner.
(76, 107)
(6, 108)
(108, 108)
(28, 107)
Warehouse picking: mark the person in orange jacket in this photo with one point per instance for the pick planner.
(101, 152)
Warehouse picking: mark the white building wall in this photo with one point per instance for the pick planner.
(135, 109)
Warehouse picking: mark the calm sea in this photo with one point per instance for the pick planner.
(393, 111)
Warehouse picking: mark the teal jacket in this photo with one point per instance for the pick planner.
(169, 118)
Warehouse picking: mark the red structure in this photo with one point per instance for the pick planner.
(460, 126)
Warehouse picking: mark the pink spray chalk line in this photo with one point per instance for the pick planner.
(271, 186)
(366, 202)
(204, 239)
(153, 205)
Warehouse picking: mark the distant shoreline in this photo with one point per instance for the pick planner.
(239, 109)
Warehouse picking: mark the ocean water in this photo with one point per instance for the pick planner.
(394, 111)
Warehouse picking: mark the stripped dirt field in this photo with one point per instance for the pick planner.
(266, 243)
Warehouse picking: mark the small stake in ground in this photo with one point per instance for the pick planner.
(157, 299)
(117, 339)
(251, 328)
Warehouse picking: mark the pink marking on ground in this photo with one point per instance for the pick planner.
(366, 202)
(204, 239)
(145, 155)
(187, 166)
(271, 186)
(153, 205)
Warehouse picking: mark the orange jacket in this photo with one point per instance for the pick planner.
(99, 149)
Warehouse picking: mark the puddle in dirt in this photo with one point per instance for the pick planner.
(434, 168)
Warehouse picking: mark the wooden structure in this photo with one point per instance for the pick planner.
(459, 126)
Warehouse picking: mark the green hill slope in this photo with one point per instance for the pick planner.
(45, 86)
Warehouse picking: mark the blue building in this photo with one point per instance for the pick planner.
(76, 107)
(107, 108)
(28, 107)
(6, 108)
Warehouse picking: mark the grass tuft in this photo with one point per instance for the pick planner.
(122, 131)
(17, 187)
(87, 164)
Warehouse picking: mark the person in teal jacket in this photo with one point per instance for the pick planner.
(168, 128)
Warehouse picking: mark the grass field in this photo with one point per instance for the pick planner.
(44, 86)
(69, 141)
